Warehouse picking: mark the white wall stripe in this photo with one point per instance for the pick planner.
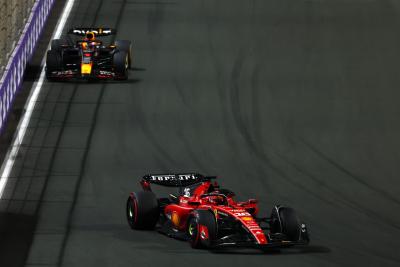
(35, 91)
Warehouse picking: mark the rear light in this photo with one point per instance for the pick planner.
(86, 54)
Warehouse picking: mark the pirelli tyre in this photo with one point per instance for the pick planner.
(284, 220)
(142, 210)
(56, 45)
(53, 64)
(202, 229)
(125, 45)
(121, 65)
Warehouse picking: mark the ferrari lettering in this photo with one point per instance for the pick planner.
(181, 177)
(162, 177)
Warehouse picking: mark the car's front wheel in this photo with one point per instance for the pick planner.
(202, 229)
(121, 65)
(285, 220)
(125, 45)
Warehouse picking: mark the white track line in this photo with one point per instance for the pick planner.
(12, 152)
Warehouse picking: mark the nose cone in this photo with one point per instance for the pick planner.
(86, 68)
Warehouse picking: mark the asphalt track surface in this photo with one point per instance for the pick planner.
(291, 102)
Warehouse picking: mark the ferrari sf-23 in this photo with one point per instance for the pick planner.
(208, 216)
(88, 57)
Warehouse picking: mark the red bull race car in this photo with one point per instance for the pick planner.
(208, 216)
(88, 58)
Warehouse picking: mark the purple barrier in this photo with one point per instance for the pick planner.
(14, 72)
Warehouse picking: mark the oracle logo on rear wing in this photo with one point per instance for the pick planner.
(96, 31)
(176, 180)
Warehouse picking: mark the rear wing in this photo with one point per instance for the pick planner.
(97, 31)
(175, 180)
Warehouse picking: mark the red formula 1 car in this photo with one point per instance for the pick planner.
(209, 217)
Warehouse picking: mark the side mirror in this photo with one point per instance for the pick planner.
(173, 196)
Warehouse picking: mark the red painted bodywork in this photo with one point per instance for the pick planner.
(180, 212)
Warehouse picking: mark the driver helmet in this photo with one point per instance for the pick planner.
(90, 36)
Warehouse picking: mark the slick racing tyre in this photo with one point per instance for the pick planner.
(53, 63)
(284, 220)
(121, 65)
(56, 45)
(202, 229)
(125, 45)
(142, 210)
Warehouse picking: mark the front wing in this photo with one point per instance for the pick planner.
(233, 241)
(271, 245)
(74, 74)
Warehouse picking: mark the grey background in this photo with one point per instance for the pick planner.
(291, 102)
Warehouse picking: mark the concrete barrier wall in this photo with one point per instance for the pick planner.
(13, 16)
(15, 64)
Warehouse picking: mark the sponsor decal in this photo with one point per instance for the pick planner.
(236, 210)
(180, 177)
(86, 68)
(103, 72)
(85, 32)
(216, 214)
(95, 31)
(175, 219)
(186, 192)
(241, 214)
(203, 232)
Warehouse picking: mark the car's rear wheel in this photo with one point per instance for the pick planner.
(125, 45)
(202, 229)
(121, 65)
(53, 64)
(142, 210)
(56, 45)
